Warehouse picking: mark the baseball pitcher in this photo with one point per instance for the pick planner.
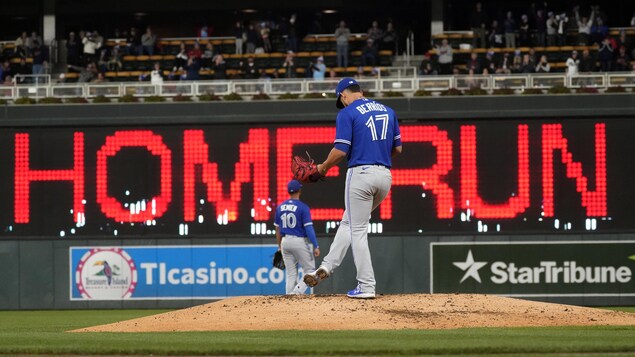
(367, 134)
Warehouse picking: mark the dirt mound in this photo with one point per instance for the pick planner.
(337, 312)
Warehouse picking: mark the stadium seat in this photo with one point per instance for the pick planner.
(227, 45)
(143, 63)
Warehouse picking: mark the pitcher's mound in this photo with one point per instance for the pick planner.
(337, 312)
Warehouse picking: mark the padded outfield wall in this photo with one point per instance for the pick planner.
(170, 204)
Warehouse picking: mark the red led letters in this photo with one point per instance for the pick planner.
(254, 168)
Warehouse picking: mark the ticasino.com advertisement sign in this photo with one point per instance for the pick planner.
(173, 272)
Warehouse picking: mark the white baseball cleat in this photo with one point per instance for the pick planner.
(299, 289)
(313, 278)
(358, 294)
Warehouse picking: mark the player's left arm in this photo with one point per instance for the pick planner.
(396, 144)
(278, 238)
(335, 157)
(276, 223)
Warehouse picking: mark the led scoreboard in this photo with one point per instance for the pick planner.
(454, 177)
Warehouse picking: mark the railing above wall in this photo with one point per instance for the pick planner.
(403, 79)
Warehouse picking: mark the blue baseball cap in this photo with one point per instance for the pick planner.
(294, 186)
(341, 86)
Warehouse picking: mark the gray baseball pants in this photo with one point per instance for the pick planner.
(296, 250)
(366, 188)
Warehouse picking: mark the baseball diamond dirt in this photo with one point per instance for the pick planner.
(337, 312)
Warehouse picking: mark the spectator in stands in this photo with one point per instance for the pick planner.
(148, 41)
(240, 36)
(599, 31)
(203, 32)
(517, 62)
(426, 68)
(318, 69)
(72, 49)
(543, 65)
(509, 27)
(219, 67)
(360, 73)
(527, 66)
(478, 23)
(289, 65)
(623, 40)
(561, 31)
(252, 38)
(605, 55)
(21, 48)
(181, 58)
(541, 27)
(249, 68)
(342, 33)
(195, 52)
(100, 78)
(390, 39)
(584, 26)
(572, 64)
(523, 32)
(495, 35)
(489, 63)
(192, 69)
(34, 37)
(99, 40)
(375, 33)
(8, 80)
(474, 64)
(622, 61)
(370, 56)
(265, 37)
(114, 61)
(292, 34)
(90, 48)
(156, 75)
(5, 70)
(445, 57)
(552, 29)
(587, 62)
(102, 61)
(505, 65)
(86, 74)
(40, 58)
(133, 43)
(208, 56)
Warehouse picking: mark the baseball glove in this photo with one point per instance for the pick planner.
(305, 170)
(278, 262)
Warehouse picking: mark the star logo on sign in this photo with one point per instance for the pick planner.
(470, 267)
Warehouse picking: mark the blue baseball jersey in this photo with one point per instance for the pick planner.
(293, 217)
(367, 131)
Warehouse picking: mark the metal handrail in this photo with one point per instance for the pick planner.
(406, 85)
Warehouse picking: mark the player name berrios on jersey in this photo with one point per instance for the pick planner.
(371, 107)
(549, 272)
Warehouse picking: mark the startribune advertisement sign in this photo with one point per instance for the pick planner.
(534, 268)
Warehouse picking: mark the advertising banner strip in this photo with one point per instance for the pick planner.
(173, 272)
(534, 269)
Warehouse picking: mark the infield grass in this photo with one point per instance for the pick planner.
(43, 332)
